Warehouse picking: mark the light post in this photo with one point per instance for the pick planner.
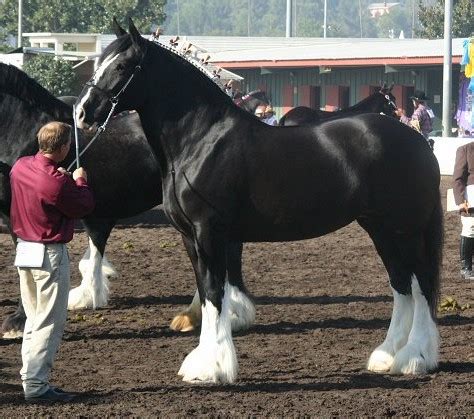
(248, 16)
(177, 14)
(325, 18)
(20, 13)
(289, 20)
(447, 68)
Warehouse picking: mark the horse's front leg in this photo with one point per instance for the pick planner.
(214, 360)
(241, 306)
(93, 292)
(13, 325)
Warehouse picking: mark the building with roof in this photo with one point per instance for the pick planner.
(327, 73)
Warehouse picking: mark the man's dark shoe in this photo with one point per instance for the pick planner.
(51, 396)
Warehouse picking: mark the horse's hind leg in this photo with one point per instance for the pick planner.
(412, 342)
(190, 318)
(214, 359)
(93, 292)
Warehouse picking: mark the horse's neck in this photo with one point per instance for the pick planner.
(370, 103)
(170, 132)
(181, 106)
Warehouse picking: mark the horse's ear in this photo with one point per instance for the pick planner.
(118, 30)
(391, 86)
(136, 36)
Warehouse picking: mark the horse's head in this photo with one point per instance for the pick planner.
(389, 105)
(117, 84)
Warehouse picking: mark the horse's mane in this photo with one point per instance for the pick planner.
(18, 84)
(123, 43)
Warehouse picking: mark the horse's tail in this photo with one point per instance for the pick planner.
(433, 238)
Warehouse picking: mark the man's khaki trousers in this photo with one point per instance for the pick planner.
(44, 293)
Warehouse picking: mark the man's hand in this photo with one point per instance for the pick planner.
(63, 171)
(400, 112)
(464, 207)
(79, 172)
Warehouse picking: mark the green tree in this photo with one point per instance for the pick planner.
(431, 19)
(80, 15)
(54, 74)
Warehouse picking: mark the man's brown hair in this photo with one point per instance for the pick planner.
(52, 136)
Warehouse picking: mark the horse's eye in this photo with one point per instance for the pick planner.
(120, 67)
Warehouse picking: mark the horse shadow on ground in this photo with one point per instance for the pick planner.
(7, 303)
(290, 328)
(112, 334)
(279, 328)
(341, 382)
(149, 300)
(455, 320)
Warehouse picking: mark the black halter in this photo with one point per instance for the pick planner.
(389, 101)
(114, 101)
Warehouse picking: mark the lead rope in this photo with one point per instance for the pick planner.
(99, 131)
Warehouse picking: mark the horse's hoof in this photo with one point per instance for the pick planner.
(13, 334)
(414, 360)
(380, 361)
(183, 322)
(414, 366)
(210, 363)
(13, 325)
(79, 299)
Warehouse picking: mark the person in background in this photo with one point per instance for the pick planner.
(45, 201)
(463, 190)
(269, 116)
(260, 112)
(421, 120)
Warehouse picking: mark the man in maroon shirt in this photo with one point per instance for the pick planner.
(45, 201)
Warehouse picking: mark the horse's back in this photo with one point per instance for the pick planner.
(400, 169)
(308, 181)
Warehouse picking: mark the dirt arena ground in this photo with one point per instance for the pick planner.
(322, 306)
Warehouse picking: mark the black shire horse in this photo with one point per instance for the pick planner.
(381, 101)
(228, 178)
(25, 106)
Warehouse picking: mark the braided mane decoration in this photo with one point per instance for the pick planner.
(184, 52)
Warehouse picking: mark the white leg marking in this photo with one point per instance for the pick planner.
(214, 360)
(108, 270)
(421, 352)
(381, 359)
(84, 262)
(94, 289)
(242, 310)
